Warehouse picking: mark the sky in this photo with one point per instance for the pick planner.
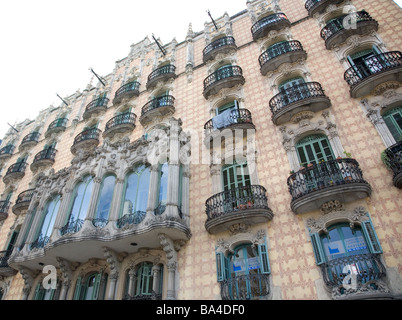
(48, 46)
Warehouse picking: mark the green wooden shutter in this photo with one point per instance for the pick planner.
(317, 248)
(96, 286)
(78, 286)
(264, 260)
(371, 237)
(220, 266)
(37, 295)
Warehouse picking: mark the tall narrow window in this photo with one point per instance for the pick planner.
(144, 279)
(163, 187)
(91, 287)
(105, 198)
(236, 182)
(48, 220)
(393, 120)
(314, 149)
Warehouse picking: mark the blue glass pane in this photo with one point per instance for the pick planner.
(143, 189)
(163, 183)
(105, 198)
(50, 216)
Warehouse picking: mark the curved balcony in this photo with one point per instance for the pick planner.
(269, 23)
(220, 46)
(287, 52)
(29, 141)
(43, 159)
(15, 172)
(95, 107)
(364, 77)
(245, 287)
(122, 123)
(239, 205)
(339, 30)
(226, 77)
(86, 140)
(239, 119)
(126, 92)
(366, 269)
(319, 6)
(4, 206)
(5, 269)
(393, 160)
(57, 126)
(307, 96)
(161, 74)
(23, 201)
(157, 107)
(340, 179)
(6, 152)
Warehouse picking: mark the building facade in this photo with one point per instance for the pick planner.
(260, 158)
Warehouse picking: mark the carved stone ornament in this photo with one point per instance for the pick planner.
(238, 238)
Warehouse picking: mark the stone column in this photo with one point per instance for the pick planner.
(132, 282)
(153, 189)
(171, 255)
(155, 283)
(116, 202)
(112, 285)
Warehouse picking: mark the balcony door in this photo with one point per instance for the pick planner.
(393, 120)
(293, 90)
(366, 62)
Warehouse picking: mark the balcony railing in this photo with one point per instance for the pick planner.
(393, 160)
(245, 287)
(313, 6)
(90, 134)
(18, 167)
(162, 73)
(47, 154)
(373, 65)
(127, 118)
(274, 21)
(97, 103)
(230, 75)
(4, 255)
(40, 242)
(7, 150)
(58, 123)
(4, 206)
(362, 267)
(235, 200)
(238, 116)
(32, 137)
(129, 89)
(130, 219)
(217, 45)
(72, 226)
(23, 201)
(352, 22)
(165, 101)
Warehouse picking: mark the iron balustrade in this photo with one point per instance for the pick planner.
(97, 103)
(393, 158)
(235, 200)
(267, 21)
(128, 87)
(47, 154)
(324, 175)
(245, 287)
(87, 135)
(40, 242)
(161, 71)
(4, 206)
(237, 116)
(221, 74)
(100, 222)
(25, 196)
(4, 256)
(72, 226)
(311, 3)
(344, 22)
(295, 93)
(279, 49)
(17, 167)
(130, 219)
(58, 123)
(221, 42)
(152, 296)
(32, 137)
(372, 65)
(7, 150)
(124, 118)
(363, 267)
(164, 101)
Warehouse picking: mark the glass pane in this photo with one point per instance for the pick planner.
(131, 193)
(105, 198)
(163, 183)
(50, 217)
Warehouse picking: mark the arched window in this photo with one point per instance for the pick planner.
(48, 218)
(314, 149)
(144, 279)
(105, 199)
(135, 198)
(393, 120)
(243, 273)
(91, 287)
(79, 205)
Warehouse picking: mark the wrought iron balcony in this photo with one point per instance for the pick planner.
(339, 30)
(40, 242)
(243, 204)
(29, 140)
(240, 118)
(274, 21)
(307, 96)
(160, 106)
(340, 179)
(161, 74)
(72, 226)
(58, 125)
(5, 269)
(4, 206)
(319, 6)
(44, 158)
(15, 172)
(221, 45)
(7, 151)
(226, 77)
(286, 52)
(23, 201)
(355, 271)
(393, 160)
(86, 139)
(372, 71)
(121, 123)
(245, 287)
(95, 107)
(127, 91)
